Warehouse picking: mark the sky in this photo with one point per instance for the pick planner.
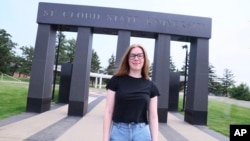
(229, 46)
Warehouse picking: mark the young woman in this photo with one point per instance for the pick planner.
(131, 102)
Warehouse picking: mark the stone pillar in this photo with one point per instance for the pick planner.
(174, 89)
(65, 81)
(197, 85)
(161, 73)
(122, 44)
(40, 86)
(79, 88)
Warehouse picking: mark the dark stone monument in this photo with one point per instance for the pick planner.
(86, 20)
(174, 89)
(65, 81)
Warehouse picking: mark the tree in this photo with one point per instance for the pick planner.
(60, 48)
(27, 55)
(95, 62)
(67, 51)
(227, 81)
(16, 64)
(6, 51)
(172, 65)
(111, 66)
(183, 69)
(151, 69)
(71, 45)
(240, 92)
(95, 65)
(214, 85)
(214, 82)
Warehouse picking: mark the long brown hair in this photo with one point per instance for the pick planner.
(124, 64)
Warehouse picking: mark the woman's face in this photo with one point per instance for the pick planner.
(136, 59)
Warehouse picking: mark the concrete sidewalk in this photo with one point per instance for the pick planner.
(56, 125)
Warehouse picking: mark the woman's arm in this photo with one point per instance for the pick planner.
(153, 118)
(107, 120)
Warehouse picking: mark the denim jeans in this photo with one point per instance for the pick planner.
(130, 132)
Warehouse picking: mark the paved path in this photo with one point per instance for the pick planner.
(55, 125)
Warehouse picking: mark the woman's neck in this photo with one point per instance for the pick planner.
(136, 74)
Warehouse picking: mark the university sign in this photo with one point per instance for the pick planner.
(113, 18)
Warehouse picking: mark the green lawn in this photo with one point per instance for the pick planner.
(221, 115)
(13, 98)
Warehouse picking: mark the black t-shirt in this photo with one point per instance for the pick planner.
(132, 97)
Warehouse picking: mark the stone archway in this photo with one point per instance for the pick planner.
(86, 20)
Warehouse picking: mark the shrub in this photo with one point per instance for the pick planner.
(240, 92)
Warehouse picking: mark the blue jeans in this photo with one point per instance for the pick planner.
(130, 132)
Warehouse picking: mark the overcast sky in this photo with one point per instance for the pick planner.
(229, 46)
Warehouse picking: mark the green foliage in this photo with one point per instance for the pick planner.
(227, 81)
(213, 85)
(240, 92)
(95, 62)
(6, 52)
(95, 65)
(182, 71)
(111, 66)
(220, 86)
(172, 65)
(151, 69)
(25, 62)
(66, 51)
(216, 88)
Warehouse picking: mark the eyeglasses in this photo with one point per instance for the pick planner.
(139, 56)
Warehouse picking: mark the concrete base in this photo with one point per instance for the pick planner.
(162, 115)
(195, 117)
(38, 105)
(77, 108)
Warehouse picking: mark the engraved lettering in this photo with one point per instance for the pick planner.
(122, 19)
(48, 13)
(109, 18)
(116, 18)
(149, 21)
(131, 19)
(81, 15)
(176, 24)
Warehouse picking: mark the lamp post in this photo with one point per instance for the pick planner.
(185, 77)
(60, 38)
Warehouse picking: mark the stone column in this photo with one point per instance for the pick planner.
(40, 87)
(122, 44)
(174, 89)
(79, 88)
(65, 81)
(197, 85)
(161, 73)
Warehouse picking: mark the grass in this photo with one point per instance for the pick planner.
(222, 115)
(4, 77)
(13, 97)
